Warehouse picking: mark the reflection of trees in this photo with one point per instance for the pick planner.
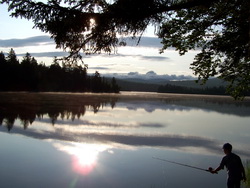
(28, 106)
(224, 105)
(9, 123)
(177, 102)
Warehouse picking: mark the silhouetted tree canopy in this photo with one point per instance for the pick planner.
(31, 76)
(220, 28)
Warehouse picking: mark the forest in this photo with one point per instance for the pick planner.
(29, 75)
(169, 88)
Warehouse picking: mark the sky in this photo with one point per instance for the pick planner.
(143, 59)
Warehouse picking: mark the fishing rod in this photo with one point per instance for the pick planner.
(181, 164)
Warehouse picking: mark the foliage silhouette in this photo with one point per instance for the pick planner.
(31, 76)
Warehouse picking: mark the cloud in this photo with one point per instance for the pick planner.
(31, 41)
(150, 42)
(149, 76)
(151, 73)
(99, 68)
(141, 57)
(151, 58)
(133, 74)
(155, 58)
(47, 54)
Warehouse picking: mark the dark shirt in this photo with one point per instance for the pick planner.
(234, 166)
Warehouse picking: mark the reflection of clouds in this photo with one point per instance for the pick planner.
(85, 123)
(178, 142)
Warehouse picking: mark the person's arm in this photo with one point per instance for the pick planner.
(220, 167)
(215, 171)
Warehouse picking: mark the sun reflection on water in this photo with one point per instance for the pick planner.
(84, 156)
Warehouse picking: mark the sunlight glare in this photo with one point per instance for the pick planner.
(84, 155)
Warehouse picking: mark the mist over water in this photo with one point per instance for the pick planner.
(109, 140)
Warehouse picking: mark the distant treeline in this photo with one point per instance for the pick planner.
(28, 75)
(171, 88)
(168, 88)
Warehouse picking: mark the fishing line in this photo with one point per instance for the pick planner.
(181, 164)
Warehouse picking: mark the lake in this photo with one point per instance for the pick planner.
(111, 140)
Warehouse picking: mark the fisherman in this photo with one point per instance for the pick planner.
(234, 166)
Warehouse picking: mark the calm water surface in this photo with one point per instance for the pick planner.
(107, 140)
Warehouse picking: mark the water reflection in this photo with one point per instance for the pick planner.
(66, 113)
(104, 140)
(27, 107)
(84, 156)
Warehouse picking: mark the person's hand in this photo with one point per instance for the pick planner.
(211, 170)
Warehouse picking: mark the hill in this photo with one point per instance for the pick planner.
(152, 85)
